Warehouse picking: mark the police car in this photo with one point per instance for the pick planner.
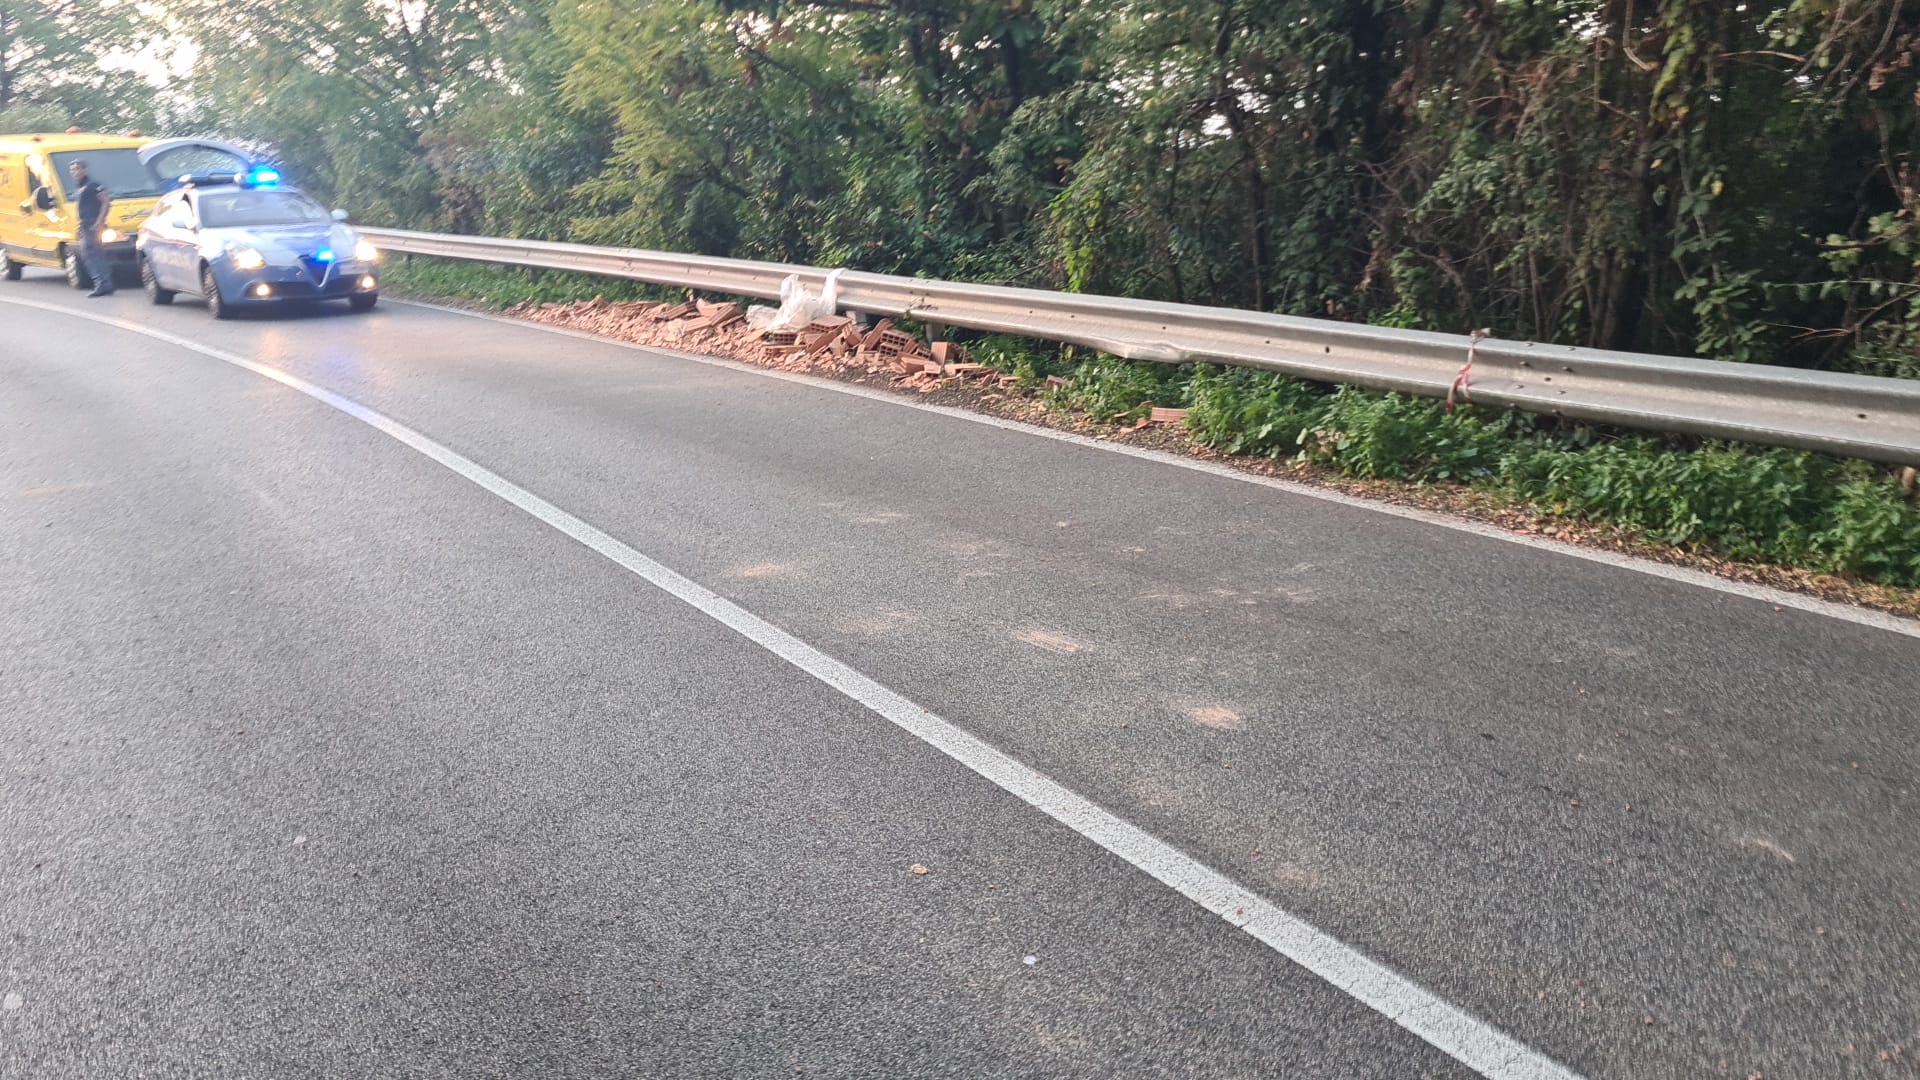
(244, 239)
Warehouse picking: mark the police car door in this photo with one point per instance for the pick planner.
(173, 244)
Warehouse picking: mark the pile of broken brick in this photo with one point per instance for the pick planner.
(834, 344)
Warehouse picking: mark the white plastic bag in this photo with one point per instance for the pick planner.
(799, 305)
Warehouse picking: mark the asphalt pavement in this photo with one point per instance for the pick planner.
(320, 759)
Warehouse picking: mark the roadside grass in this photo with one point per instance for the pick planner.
(495, 288)
(1733, 500)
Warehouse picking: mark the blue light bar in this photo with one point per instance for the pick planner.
(323, 255)
(263, 176)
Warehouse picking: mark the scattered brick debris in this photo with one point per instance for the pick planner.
(893, 343)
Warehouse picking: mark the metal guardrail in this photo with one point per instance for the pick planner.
(1850, 415)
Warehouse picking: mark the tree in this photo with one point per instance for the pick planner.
(347, 91)
(57, 60)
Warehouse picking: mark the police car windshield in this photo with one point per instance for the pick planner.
(243, 209)
(119, 171)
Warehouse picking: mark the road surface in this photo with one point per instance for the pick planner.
(421, 695)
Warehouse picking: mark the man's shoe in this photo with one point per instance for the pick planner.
(100, 292)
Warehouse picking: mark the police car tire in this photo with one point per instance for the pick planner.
(210, 289)
(77, 275)
(152, 284)
(363, 302)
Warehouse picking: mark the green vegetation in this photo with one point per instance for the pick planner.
(1787, 507)
(498, 287)
(63, 62)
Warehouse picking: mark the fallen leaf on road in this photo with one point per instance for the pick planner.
(918, 869)
(1030, 961)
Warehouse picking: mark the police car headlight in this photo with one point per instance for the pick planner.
(366, 252)
(245, 258)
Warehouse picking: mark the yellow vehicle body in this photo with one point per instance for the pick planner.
(39, 222)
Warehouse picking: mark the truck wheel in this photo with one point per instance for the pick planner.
(77, 275)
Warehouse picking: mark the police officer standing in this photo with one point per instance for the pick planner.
(93, 203)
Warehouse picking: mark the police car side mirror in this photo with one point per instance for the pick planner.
(43, 199)
(339, 215)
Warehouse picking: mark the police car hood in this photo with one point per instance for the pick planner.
(285, 243)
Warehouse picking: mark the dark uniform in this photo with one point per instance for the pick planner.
(92, 202)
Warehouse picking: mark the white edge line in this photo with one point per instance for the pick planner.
(1453, 1031)
(1878, 620)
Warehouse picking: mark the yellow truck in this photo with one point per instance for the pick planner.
(38, 220)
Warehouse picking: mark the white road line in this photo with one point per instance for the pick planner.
(1473, 1042)
(1878, 620)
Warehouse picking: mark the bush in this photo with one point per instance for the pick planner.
(1744, 502)
(1872, 531)
(1388, 436)
(1116, 390)
(1017, 357)
(1236, 411)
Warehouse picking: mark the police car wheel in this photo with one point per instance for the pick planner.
(363, 301)
(152, 284)
(210, 289)
(8, 268)
(77, 275)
